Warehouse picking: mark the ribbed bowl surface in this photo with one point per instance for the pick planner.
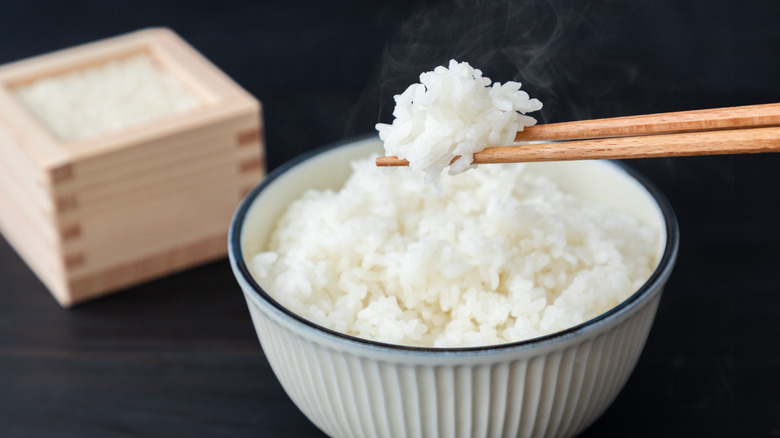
(553, 386)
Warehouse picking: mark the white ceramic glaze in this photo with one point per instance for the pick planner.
(554, 385)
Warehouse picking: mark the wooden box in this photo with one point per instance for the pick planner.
(102, 213)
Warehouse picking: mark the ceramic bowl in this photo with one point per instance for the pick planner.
(553, 385)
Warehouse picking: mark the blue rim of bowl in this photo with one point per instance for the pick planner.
(656, 280)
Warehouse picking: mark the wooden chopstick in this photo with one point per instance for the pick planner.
(750, 116)
(736, 130)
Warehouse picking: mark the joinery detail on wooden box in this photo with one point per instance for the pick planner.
(103, 212)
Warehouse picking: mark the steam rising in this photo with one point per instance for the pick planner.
(550, 46)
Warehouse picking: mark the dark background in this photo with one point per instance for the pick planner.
(179, 357)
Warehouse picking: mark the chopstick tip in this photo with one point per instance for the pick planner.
(391, 162)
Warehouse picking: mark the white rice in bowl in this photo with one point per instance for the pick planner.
(502, 255)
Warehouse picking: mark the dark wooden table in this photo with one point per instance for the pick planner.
(179, 356)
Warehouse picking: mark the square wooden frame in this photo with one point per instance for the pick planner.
(100, 214)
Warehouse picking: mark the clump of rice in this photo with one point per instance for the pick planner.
(454, 111)
(501, 255)
(108, 97)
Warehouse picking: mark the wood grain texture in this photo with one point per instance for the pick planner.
(106, 212)
(133, 272)
(734, 141)
(746, 130)
(748, 116)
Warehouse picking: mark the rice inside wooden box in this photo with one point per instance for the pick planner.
(151, 191)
